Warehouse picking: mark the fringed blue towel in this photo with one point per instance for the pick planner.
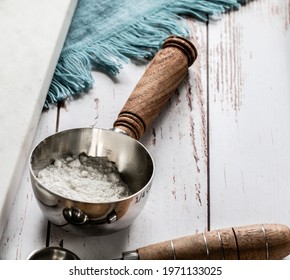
(104, 34)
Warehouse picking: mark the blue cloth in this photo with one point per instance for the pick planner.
(104, 35)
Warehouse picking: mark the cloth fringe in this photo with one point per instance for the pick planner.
(138, 41)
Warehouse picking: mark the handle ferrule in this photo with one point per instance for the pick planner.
(130, 255)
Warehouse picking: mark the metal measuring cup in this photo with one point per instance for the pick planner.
(120, 145)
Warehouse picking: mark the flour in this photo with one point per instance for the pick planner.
(84, 178)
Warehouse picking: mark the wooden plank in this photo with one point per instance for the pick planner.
(249, 115)
(177, 140)
(241, 142)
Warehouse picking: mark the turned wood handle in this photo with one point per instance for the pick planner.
(254, 242)
(162, 76)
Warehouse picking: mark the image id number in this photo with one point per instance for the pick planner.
(195, 270)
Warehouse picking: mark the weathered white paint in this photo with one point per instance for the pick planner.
(249, 115)
(221, 146)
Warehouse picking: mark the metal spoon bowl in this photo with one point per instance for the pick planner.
(53, 253)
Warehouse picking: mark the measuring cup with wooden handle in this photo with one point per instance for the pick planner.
(119, 144)
(253, 242)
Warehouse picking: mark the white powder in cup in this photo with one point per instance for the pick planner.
(84, 178)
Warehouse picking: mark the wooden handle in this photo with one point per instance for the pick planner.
(254, 242)
(161, 78)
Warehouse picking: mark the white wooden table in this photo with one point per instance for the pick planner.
(221, 147)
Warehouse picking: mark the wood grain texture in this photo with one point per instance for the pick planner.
(162, 77)
(176, 199)
(262, 242)
(221, 146)
(252, 242)
(249, 115)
